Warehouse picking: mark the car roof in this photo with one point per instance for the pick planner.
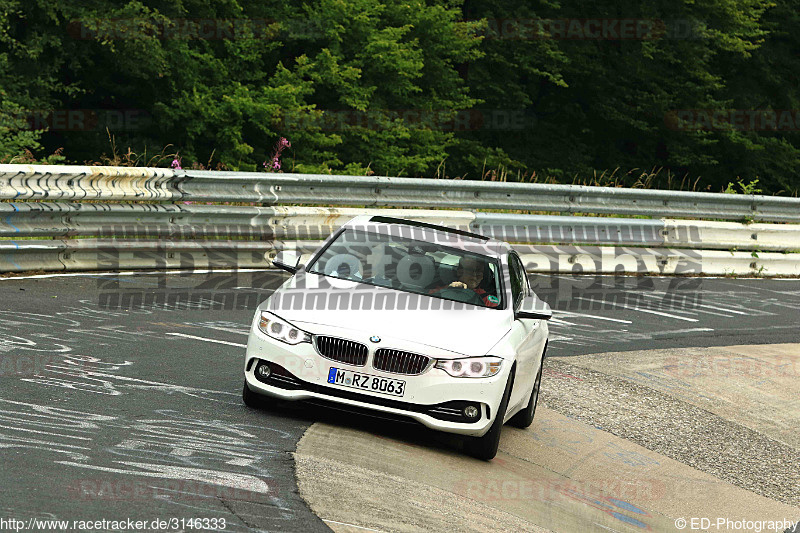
(455, 238)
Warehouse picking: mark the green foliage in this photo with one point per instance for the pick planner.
(477, 90)
(606, 103)
(744, 188)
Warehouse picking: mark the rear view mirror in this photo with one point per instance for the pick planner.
(533, 307)
(287, 260)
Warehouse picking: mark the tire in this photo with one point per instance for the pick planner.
(485, 447)
(524, 418)
(252, 399)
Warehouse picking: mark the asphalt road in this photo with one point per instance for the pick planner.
(595, 314)
(115, 414)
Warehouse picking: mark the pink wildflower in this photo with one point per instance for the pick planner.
(275, 162)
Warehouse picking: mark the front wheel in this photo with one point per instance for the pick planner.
(253, 399)
(524, 418)
(486, 447)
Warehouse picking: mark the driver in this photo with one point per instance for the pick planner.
(468, 276)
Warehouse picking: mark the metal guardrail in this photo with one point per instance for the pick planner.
(116, 254)
(221, 222)
(74, 224)
(71, 183)
(664, 232)
(179, 221)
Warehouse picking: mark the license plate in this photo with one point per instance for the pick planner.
(354, 380)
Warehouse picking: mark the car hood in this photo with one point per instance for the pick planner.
(470, 330)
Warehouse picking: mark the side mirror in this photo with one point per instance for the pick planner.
(533, 307)
(287, 260)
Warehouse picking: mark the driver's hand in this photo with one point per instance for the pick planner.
(458, 285)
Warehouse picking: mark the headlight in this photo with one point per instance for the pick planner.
(279, 329)
(471, 367)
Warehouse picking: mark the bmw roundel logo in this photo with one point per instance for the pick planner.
(375, 338)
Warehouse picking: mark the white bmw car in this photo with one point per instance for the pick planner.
(405, 319)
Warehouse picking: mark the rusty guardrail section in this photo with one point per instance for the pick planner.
(76, 183)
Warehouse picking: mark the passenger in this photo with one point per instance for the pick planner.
(469, 276)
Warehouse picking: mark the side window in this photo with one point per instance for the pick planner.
(516, 279)
(526, 283)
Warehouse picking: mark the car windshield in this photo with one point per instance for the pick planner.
(412, 265)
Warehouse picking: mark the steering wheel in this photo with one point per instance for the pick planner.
(460, 295)
(382, 282)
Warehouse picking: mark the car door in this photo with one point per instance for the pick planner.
(538, 338)
(523, 336)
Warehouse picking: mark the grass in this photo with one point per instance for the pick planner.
(635, 178)
(656, 178)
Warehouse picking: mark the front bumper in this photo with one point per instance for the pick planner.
(433, 398)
